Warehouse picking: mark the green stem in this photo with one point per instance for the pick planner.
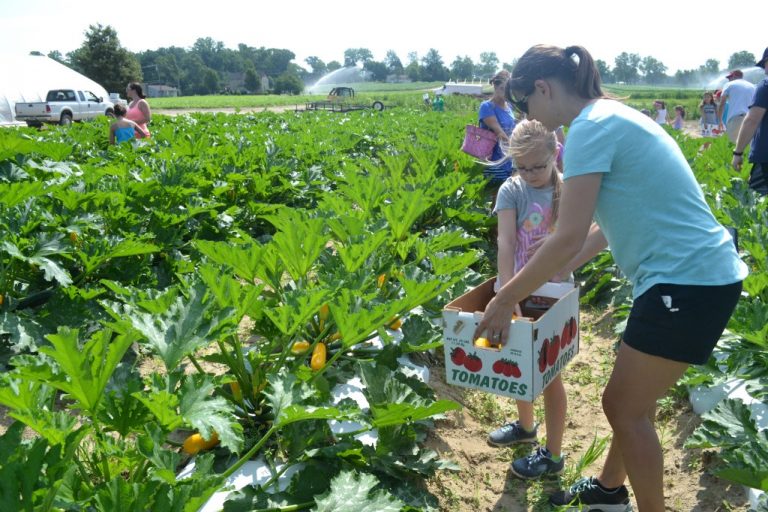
(250, 453)
(196, 364)
(277, 474)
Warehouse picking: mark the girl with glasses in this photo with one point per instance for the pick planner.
(626, 172)
(527, 207)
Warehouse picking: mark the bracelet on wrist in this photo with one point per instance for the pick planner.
(738, 153)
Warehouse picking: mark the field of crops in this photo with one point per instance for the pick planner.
(232, 275)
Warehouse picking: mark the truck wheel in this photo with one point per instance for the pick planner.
(378, 106)
(34, 124)
(66, 119)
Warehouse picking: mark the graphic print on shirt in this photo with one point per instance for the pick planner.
(536, 225)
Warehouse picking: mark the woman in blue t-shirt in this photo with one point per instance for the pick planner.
(497, 115)
(627, 173)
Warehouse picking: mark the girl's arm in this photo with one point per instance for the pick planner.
(507, 241)
(139, 129)
(577, 206)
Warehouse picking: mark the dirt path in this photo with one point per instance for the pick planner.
(225, 110)
(485, 483)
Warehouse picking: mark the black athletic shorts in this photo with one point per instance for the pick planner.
(758, 178)
(681, 322)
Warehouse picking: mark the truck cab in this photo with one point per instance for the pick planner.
(63, 106)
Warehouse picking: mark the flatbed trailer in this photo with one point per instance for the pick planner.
(335, 106)
(339, 101)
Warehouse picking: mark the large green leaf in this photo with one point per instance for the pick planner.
(189, 324)
(231, 292)
(82, 371)
(397, 414)
(12, 194)
(743, 448)
(352, 492)
(23, 331)
(29, 402)
(298, 307)
(355, 253)
(38, 255)
(101, 251)
(207, 413)
(244, 258)
(357, 320)
(299, 241)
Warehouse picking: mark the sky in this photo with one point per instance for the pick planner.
(681, 35)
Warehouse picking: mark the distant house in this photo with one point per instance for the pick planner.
(232, 81)
(161, 91)
(397, 79)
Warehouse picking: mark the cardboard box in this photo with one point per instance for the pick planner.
(539, 345)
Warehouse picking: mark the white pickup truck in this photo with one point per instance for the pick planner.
(63, 106)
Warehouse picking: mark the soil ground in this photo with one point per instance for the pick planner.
(485, 482)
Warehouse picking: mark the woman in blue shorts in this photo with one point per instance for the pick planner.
(627, 173)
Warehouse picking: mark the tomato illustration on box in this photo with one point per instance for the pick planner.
(540, 344)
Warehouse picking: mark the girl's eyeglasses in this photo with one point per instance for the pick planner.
(534, 169)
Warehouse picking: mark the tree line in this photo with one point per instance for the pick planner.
(208, 67)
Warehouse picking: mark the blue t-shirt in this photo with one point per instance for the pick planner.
(124, 133)
(506, 118)
(759, 150)
(650, 206)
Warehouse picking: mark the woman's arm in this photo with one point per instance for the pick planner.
(144, 109)
(577, 207)
(493, 124)
(112, 134)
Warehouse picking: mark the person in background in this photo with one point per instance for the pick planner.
(138, 109)
(123, 130)
(438, 105)
(661, 112)
(497, 116)
(677, 122)
(755, 128)
(527, 207)
(628, 174)
(646, 112)
(708, 111)
(721, 117)
(738, 93)
(426, 99)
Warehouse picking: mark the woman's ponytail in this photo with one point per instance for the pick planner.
(587, 77)
(573, 67)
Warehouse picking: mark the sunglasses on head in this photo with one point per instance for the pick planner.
(520, 104)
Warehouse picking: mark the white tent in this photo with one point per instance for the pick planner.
(30, 77)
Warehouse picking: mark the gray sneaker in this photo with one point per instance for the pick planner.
(511, 433)
(586, 494)
(538, 464)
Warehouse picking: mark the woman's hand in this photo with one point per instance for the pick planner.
(496, 320)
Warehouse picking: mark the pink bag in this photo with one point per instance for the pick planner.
(478, 142)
